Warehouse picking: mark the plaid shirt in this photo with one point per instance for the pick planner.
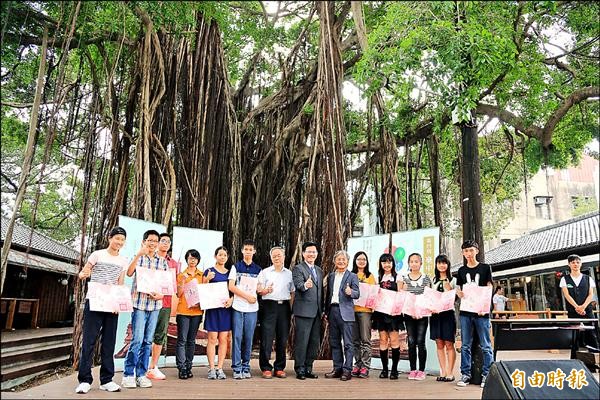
(143, 301)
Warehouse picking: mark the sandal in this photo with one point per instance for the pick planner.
(449, 379)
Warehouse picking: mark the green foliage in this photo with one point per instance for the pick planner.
(584, 205)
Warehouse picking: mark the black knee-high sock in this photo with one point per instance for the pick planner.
(395, 359)
(383, 354)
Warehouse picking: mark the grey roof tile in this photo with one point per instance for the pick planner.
(39, 242)
(572, 233)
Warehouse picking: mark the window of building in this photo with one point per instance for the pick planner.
(542, 207)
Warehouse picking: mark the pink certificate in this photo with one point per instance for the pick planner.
(476, 299)
(109, 298)
(422, 306)
(385, 301)
(154, 281)
(213, 295)
(368, 295)
(190, 292)
(248, 284)
(439, 301)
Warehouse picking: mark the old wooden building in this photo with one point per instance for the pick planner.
(38, 290)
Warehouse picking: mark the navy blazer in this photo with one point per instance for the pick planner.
(346, 302)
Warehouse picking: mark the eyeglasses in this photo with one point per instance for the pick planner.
(311, 252)
(152, 240)
(165, 241)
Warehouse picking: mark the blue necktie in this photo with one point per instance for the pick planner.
(314, 274)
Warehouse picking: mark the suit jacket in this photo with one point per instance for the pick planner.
(346, 302)
(307, 302)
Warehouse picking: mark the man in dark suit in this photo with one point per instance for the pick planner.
(307, 310)
(342, 288)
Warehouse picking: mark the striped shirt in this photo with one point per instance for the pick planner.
(106, 268)
(416, 286)
(143, 301)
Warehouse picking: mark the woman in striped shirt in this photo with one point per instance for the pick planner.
(416, 328)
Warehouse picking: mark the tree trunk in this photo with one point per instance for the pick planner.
(436, 187)
(28, 159)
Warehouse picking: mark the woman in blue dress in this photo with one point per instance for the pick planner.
(218, 320)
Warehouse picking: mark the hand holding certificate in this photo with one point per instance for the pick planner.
(213, 295)
(154, 281)
(109, 298)
(438, 302)
(476, 299)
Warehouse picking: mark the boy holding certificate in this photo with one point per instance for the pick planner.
(473, 273)
(146, 307)
(106, 267)
(243, 280)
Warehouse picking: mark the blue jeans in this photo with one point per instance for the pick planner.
(243, 324)
(143, 324)
(482, 326)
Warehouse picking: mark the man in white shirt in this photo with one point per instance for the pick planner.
(276, 287)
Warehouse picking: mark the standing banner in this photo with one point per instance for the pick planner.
(422, 241)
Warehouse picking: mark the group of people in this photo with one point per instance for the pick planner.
(302, 292)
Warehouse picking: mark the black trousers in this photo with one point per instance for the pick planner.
(416, 330)
(589, 336)
(308, 340)
(98, 324)
(274, 325)
(187, 328)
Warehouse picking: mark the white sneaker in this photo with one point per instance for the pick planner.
(110, 387)
(83, 388)
(155, 373)
(128, 382)
(144, 382)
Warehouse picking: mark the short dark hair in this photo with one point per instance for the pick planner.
(306, 245)
(164, 234)
(498, 288)
(150, 232)
(192, 252)
(573, 257)
(117, 230)
(248, 242)
(469, 243)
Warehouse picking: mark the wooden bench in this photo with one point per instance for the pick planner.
(26, 306)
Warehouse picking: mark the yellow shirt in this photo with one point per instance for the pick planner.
(371, 281)
(183, 278)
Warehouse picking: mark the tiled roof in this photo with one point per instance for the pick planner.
(570, 234)
(40, 243)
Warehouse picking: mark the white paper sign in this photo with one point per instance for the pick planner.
(213, 295)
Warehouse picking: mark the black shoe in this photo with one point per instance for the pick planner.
(310, 375)
(183, 374)
(394, 375)
(336, 373)
(346, 376)
(300, 376)
(189, 373)
(383, 374)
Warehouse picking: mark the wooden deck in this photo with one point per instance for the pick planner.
(257, 388)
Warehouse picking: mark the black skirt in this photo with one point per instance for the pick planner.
(387, 323)
(443, 326)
